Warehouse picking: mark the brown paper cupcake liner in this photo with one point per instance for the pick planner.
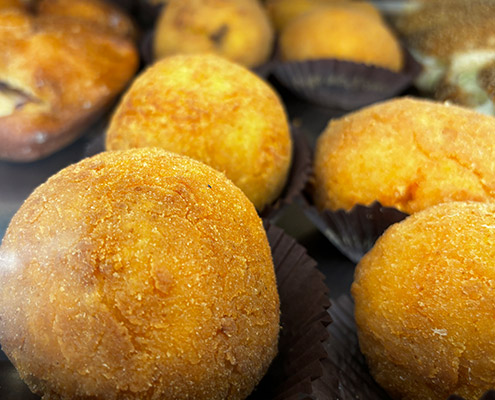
(344, 84)
(353, 232)
(346, 362)
(297, 371)
(304, 301)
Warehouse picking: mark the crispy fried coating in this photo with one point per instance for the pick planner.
(138, 274)
(406, 153)
(425, 301)
(212, 110)
(345, 30)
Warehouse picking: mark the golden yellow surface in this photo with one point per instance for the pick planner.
(425, 303)
(239, 30)
(138, 275)
(281, 12)
(344, 31)
(214, 111)
(56, 74)
(406, 153)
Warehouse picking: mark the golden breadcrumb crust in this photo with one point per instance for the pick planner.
(214, 111)
(424, 303)
(138, 274)
(350, 32)
(406, 153)
(239, 30)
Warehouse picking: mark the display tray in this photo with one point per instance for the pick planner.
(18, 180)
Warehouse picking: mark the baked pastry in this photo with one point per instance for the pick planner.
(405, 153)
(349, 31)
(424, 303)
(239, 30)
(215, 111)
(455, 43)
(146, 275)
(80, 66)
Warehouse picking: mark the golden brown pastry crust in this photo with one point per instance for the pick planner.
(57, 75)
(346, 31)
(214, 111)
(138, 275)
(424, 303)
(239, 30)
(405, 153)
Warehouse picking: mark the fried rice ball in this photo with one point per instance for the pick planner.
(405, 153)
(239, 30)
(212, 110)
(138, 274)
(346, 31)
(425, 301)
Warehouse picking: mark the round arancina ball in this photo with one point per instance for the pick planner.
(138, 274)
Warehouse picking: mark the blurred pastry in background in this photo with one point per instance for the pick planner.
(405, 153)
(281, 12)
(348, 31)
(455, 43)
(58, 73)
(239, 30)
(215, 111)
(424, 304)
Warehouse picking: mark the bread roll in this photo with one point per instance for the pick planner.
(138, 274)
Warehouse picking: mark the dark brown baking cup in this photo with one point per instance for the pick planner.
(352, 232)
(297, 179)
(347, 363)
(344, 84)
(297, 370)
(345, 360)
